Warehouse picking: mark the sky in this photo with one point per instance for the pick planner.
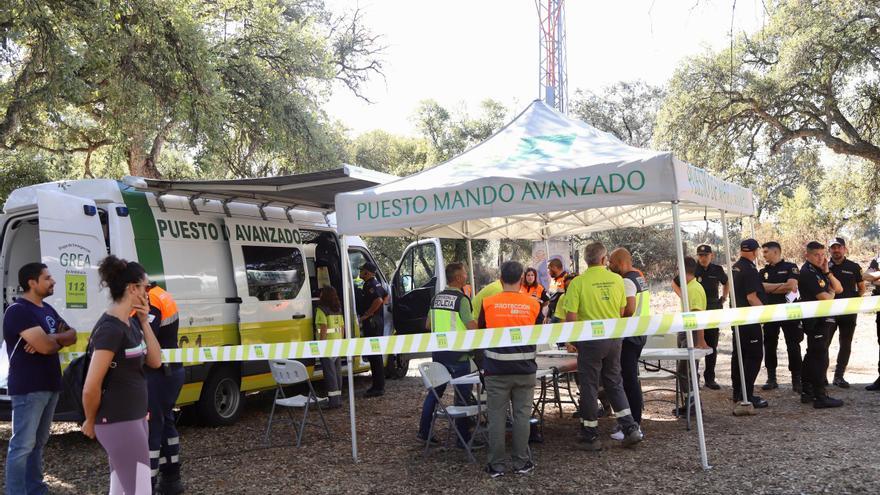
(461, 52)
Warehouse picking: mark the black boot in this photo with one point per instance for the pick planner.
(771, 381)
(796, 383)
(825, 402)
(807, 393)
(170, 483)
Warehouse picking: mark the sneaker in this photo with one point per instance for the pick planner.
(371, 392)
(433, 442)
(825, 402)
(840, 382)
(633, 436)
(617, 434)
(492, 472)
(713, 385)
(526, 468)
(874, 386)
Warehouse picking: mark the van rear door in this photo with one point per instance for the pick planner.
(272, 281)
(419, 276)
(71, 246)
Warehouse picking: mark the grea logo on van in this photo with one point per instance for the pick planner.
(187, 229)
(74, 256)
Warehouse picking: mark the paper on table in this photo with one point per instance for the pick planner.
(793, 296)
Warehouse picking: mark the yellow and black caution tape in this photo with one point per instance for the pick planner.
(523, 335)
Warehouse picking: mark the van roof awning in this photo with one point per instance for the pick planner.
(313, 189)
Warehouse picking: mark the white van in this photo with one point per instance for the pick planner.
(243, 260)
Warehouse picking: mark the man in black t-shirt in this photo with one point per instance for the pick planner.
(780, 279)
(817, 283)
(873, 278)
(748, 291)
(711, 276)
(849, 274)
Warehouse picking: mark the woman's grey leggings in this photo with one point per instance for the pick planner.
(129, 456)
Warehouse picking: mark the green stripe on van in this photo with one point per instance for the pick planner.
(146, 237)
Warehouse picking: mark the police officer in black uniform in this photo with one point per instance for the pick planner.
(849, 274)
(749, 291)
(817, 283)
(871, 277)
(780, 278)
(711, 276)
(370, 301)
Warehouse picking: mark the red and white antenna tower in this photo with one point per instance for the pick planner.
(553, 71)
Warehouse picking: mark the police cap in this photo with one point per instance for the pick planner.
(704, 249)
(837, 241)
(748, 245)
(370, 267)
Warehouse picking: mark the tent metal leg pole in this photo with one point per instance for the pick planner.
(470, 253)
(736, 339)
(347, 305)
(692, 364)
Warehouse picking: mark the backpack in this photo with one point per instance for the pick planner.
(74, 379)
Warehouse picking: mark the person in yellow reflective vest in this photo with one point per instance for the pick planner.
(330, 324)
(450, 312)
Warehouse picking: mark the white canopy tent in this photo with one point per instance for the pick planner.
(546, 175)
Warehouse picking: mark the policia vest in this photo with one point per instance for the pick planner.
(643, 302)
(445, 317)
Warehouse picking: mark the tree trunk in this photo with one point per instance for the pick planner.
(143, 162)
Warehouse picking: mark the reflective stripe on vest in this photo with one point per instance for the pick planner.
(444, 312)
(643, 295)
(510, 356)
(167, 307)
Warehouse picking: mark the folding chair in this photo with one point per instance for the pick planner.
(290, 372)
(433, 376)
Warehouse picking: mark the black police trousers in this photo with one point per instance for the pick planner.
(847, 326)
(711, 336)
(816, 331)
(878, 342)
(371, 328)
(630, 352)
(794, 335)
(752, 354)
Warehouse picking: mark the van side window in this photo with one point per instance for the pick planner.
(274, 273)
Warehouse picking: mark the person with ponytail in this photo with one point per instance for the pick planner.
(115, 389)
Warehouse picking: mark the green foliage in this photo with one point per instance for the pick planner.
(386, 152)
(757, 113)
(451, 133)
(237, 84)
(626, 109)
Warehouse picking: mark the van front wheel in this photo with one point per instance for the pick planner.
(221, 402)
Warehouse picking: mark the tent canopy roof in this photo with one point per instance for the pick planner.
(543, 175)
(315, 189)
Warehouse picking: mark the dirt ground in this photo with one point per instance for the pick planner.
(786, 448)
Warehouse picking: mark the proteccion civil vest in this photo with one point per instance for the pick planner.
(169, 317)
(643, 301)
(510, 309)
(445, 317)
(536, 291)
(335, 323)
